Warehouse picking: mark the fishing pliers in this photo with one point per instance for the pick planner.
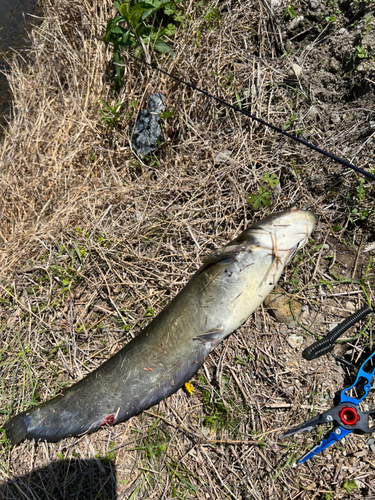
(346, 417)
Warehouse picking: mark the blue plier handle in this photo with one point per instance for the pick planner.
(346, 415)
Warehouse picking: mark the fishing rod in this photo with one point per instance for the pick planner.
(255, 118)
(249, 115)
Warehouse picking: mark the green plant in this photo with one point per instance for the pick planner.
(166, 114)
(109, 456)
(290, 11)
(109, 114)
(238, 100)
(331, 19)
(290, 122)
(146, 23)
(361, 193)
(263, 197)
(219, 414)
(368, 20)
(361, 52)
(149, 312)
(350, 485)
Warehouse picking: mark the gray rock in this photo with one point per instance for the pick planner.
(147, 132)
(343, 31)
(279, 305)
(369, 442)
(295, 341)
(222, 157)
(313, 112)
(297, 70)
(349, 306)
(314, 4)
(259, 323)
(335, 118)
(294, 23)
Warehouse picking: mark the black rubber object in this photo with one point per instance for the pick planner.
(325, 345)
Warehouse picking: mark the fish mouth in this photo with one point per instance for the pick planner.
(273, 236)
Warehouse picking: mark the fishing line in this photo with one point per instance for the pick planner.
(255, 118)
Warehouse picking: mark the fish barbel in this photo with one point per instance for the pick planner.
(217, 300)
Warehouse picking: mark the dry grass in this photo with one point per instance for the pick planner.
(93, 236)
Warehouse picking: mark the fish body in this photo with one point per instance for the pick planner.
(218, 299)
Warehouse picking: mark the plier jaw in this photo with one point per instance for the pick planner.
(346, 416)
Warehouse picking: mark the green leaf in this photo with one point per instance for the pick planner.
(272, 179)
(170, 30)
(238, 99)
(135, 20)
(124, 10)
(111, 25)
(166, 114)
(262, 198)
(161, 46)
(170, 9)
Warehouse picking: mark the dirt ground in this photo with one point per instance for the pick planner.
(95, 242)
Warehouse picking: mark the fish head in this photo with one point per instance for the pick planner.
(285, 231)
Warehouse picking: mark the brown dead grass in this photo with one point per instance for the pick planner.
(92, 236)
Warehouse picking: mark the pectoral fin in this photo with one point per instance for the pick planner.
(215, 335)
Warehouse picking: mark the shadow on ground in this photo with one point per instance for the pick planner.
(64, 480)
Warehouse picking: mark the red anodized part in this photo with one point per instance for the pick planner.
(349, 415)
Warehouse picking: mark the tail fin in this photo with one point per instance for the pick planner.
(15, 429)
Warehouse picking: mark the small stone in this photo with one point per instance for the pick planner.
(222, 157)
(292, 325)
(343, 31)
(360, 484)
(372, 447)
(334, 65)
(331, 326)
(259, 323)
(297, 70)
(313, 112)
(305, 308)
(325, 246)
(332, 395)
(279, 305)
(295, 341)
(146, 130)
(283, 330)
(349, 306)
(295, 22)
(275, 4)
(314, 4)
(369, 442)
(335, 118)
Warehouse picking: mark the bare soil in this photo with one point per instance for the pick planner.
(95, 241)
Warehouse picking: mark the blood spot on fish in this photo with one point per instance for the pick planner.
(109, 419)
